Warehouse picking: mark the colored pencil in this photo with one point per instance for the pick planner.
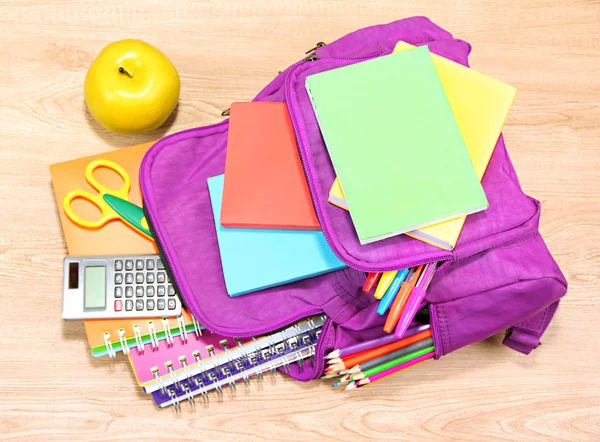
(372, 279)
(396, 369)
(391, 292)
(414, 301)
(400, 353)
(379, 351)
(378, 342)
(392, 363)
(396, 310)
(384, 283)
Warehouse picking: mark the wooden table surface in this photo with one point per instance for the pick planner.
(51, 388)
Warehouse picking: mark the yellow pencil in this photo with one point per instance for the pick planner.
(384, 283)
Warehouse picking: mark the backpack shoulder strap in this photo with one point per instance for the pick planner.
(525, 336)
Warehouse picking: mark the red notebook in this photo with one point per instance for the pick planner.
(264, 184)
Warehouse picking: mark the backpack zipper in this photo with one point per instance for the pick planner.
(312, 53)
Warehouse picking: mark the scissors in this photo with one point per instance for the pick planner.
(114, 204)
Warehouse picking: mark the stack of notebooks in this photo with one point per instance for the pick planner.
(410, 136)
(266, 226)
(173, 358)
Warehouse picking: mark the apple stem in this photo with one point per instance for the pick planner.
(123, 71)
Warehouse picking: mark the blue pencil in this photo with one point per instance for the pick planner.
(391, 292)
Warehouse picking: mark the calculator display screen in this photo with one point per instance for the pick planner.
(95, 288)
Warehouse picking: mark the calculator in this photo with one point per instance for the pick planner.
(107, 287)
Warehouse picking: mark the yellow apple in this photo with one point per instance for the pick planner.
(131, 87)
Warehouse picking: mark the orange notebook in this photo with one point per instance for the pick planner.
(114, 238)
(264, 186)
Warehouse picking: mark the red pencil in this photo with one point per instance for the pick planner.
(372, 279)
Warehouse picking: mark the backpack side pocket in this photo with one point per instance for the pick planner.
(493, 291)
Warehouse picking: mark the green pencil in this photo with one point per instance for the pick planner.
(391, 364)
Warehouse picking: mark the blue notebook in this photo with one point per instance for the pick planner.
(256, 259)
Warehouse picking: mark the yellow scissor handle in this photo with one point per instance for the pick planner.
(122, 193)
(108, 213)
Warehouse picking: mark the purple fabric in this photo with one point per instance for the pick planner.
(501, 274)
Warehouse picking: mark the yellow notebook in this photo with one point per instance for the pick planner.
(480, 104)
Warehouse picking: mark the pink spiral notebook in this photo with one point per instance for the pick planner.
(175, 355)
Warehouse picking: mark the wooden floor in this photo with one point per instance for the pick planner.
(50, 386)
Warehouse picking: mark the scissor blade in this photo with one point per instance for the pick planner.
(129, 212)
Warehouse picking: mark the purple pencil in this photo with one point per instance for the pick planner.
(391, 371)
(367, 345)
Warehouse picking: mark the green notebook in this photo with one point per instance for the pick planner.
(394, 144)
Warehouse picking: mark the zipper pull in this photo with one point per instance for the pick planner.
(317, 46)
(312, 53)
(225, 113)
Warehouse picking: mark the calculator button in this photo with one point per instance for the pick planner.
(160, 278)
(172, 304)
(139, 291)
(129, 292)
(139, 264)
(118, 305)
(128, 305)
(129, 264)
(150, 292)
(139, 278)
(128, 278)
(160, 304)
(160, 291)
(139, 305)
(150, 278)
(118, 265)
(159, 264)
(118, 278)
(150, 304)
(118, 292)
(150, 264)
(171, 290)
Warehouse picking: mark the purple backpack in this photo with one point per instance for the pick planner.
(499, 277)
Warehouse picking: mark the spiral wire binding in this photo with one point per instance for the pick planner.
(189, 396)
(153, 337)
(138, 339)
(186, 370)
(123, 341)
(229, 367)
(159, 381)
(253, 360)
(169, 366)
(175, 399)
(244, 357)
(182, 330)
(168, 335)
(109, 347)
(197, 327)
(226, 369)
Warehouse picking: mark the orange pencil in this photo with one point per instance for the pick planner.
(384, 349)
(333, 362)
(400, 301)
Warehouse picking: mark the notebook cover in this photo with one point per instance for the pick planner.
(395, 144)
(255, 259)
(265, 185)
(480, 105)
(143, 363)
(114, 238)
